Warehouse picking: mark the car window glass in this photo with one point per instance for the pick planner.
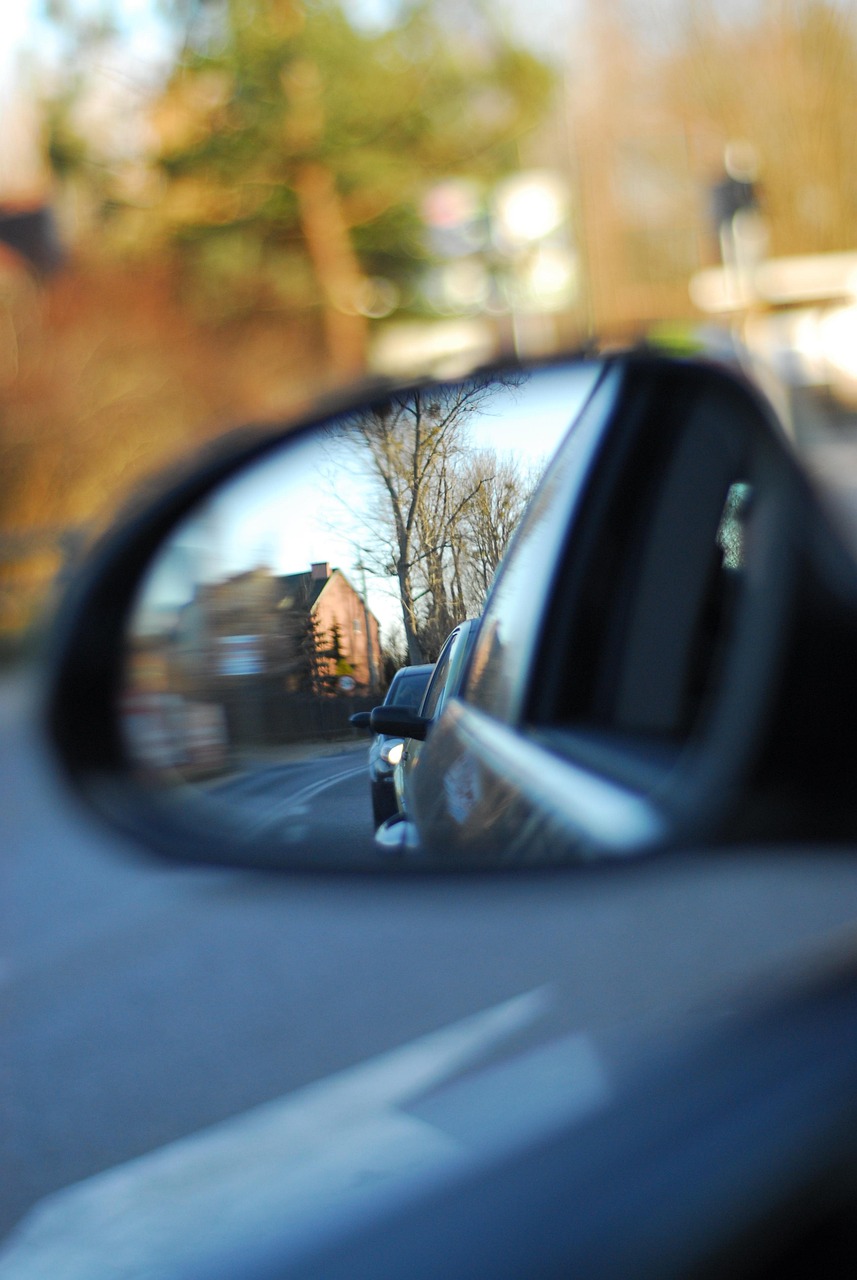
(640, 647)
(673, 644)
(507, 637)
(408, 691)
(433, 701)
(629, 636)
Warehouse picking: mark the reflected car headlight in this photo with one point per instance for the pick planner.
(391, 752)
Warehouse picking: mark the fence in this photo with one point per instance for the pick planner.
(258, 713)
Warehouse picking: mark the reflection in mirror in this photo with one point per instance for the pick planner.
(288, 599)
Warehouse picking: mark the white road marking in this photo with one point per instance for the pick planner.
(287, 1165)
(295, 804)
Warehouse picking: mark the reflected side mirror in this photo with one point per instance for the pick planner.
(400, 722)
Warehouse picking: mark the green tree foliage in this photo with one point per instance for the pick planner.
(226, 215)
(289, 151)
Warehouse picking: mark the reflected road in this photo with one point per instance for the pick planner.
(320, 799)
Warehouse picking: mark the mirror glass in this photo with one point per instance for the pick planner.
(288, 600)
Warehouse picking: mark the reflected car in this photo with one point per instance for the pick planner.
(405, 693)
(446, 681)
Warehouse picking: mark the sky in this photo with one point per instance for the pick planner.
(548, 28)
(20, 171)
(298, 507)
(17, 22)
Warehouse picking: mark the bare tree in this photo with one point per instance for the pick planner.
(432, 486)
(498, 493)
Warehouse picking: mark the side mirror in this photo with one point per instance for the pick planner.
(665, 656)
(399, 722)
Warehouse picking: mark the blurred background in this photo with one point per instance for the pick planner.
(213, 211)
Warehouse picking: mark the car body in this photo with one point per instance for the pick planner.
(445, 682)
(560, 725)
(406, 690)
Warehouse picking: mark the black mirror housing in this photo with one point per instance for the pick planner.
(399, 722)
(663, 655)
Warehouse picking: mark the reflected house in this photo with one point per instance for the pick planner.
(310, 631)
(335, 637)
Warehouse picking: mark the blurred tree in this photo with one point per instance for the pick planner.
(236, 204)
(783, 80)
(288, 152)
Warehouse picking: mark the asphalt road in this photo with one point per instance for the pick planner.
(323, 798)
(143, 1003)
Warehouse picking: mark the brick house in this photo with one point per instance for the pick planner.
(310, 630)
(343, 631)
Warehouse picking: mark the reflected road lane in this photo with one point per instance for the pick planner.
(321, 799)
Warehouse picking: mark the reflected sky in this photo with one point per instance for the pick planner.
(301, 506)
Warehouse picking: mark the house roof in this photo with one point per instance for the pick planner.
(301, 591)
